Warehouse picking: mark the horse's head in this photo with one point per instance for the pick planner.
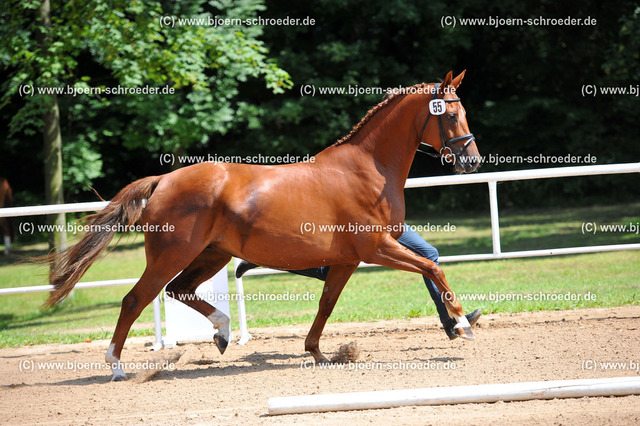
(443, 127)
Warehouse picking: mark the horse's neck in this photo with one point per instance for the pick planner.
(389, 139)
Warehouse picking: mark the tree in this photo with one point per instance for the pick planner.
(80, 46)
(52, 140)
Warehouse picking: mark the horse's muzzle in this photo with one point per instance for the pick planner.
(466, 163)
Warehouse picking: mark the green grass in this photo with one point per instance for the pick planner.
(372, 293)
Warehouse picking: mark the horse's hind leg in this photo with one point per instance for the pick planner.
(336, 280)
(183, 288)
(145, 290)
(156, 275)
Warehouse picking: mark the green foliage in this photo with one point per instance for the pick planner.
(83, 164)
(103, 44)
(625, 53)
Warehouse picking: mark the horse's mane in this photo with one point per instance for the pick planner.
(386, 101)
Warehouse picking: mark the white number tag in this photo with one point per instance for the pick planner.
(437, 106)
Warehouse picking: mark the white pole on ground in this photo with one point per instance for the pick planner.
(455, 395)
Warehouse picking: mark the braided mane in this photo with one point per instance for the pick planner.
(386, 101)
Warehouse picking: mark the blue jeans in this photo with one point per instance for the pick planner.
(414, 242)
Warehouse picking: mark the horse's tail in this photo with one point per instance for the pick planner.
(125, 208)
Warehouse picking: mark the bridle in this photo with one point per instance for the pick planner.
(446, 143)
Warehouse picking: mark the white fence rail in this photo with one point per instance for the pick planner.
(490, 178)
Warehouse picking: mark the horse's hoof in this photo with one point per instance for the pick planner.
(465, 333)
(474, 316)
(119, 378)
(449, 329)
(243, 267)
(221, 343)
(323, 360)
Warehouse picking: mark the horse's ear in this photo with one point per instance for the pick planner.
(447, 79)
(456, 81)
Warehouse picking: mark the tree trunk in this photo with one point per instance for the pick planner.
(52, 149)
(53, 172)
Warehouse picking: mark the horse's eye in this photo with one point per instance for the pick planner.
(452, 116)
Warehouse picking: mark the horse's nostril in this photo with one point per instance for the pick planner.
(471, 164)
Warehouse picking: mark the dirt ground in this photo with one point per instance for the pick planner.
(205, 387)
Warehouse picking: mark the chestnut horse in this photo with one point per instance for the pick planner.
(6, 226)
(263, 214)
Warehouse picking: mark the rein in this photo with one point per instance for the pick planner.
(446, 143)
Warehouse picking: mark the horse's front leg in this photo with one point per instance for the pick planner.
(335, 282)
(391, 253)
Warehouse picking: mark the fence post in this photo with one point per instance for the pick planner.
(495, 218)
